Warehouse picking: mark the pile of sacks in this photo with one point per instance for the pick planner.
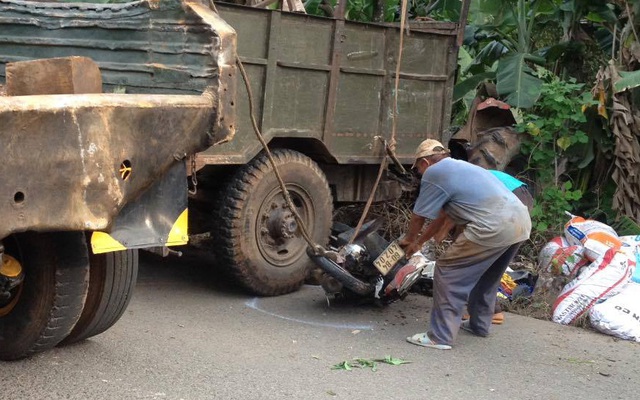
(605, 281)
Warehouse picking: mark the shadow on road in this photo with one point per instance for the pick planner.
(195, 268)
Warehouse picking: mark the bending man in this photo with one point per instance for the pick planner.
(495, 225)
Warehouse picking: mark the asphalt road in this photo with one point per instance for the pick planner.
(190, 335)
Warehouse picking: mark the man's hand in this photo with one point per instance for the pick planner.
(409, 246)
(404, 242)
(412, 248)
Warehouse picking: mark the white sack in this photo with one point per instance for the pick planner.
(600, 280)
(619, 315)
(595, 236)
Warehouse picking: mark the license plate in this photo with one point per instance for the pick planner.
(389, 257)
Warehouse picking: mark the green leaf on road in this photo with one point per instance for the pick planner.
(393, 361)
(343, 366)
(364, 363)
(369, 363)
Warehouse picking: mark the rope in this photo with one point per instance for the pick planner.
(317, 249)
(390, 148)
(383, 166)
(403, 19)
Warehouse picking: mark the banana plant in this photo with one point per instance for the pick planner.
(503, 35)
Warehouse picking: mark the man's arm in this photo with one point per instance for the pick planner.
(416, 244)
(447, 226)
(415, 225)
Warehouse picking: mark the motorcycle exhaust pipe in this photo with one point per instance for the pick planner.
(341, 275)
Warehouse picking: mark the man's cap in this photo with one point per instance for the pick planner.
(428, 148)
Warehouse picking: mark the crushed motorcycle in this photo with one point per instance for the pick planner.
(367, 267)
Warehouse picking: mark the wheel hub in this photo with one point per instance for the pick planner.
(279, 240)
(281, 224)
(11, 278)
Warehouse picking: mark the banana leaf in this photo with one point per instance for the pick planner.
(516, 81)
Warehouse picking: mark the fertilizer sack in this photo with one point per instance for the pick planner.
(595, 236)
(619, 315)
(600, 280)
(559, 258)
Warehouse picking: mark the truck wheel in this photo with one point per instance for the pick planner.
(258, 235)
(49, 301)
(495, 148)
(112, 278)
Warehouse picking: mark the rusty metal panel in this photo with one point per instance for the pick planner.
(423, 53)
(142, 49)
(254, 42)
(333, 80)
(305, 39)
(289, 78)
(298, 103)
(245, 142)
(69, 148)
(254, 46)
(358, 106)
(363, 47)
(426, 76)
(154, 46)
(360, 86)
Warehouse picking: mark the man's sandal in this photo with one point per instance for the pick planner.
(422, 339)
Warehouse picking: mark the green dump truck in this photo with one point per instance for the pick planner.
(324, 93)
(89, 177)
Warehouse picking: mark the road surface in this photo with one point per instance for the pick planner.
(190, 335)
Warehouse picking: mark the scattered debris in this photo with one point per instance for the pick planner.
(369, 363)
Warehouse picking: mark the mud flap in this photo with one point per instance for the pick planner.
(158, 218)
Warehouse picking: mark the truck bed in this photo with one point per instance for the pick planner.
(331, 81)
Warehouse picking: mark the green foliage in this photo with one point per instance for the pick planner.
(516, 81)
(441, 10)
(629, 80)
(357, 10)
(554, 128)
(502, 32)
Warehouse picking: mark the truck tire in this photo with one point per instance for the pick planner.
(112, 278)
(255, 233)
(495, 148)
(51, 297)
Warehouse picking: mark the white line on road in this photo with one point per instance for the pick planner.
(253, 304)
